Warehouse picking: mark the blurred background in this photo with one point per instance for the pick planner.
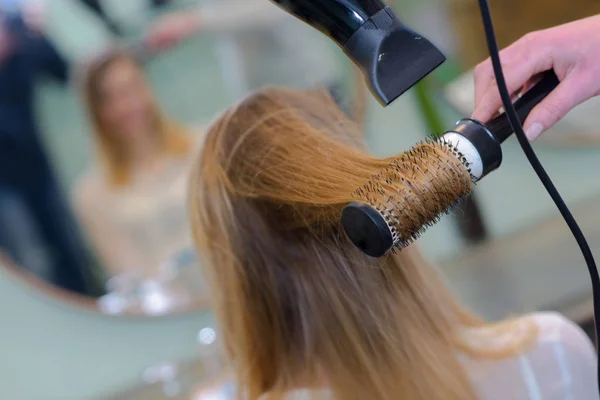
(102, 103)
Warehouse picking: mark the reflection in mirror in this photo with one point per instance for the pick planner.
(94, 169)
(37, 229)
(132, 200)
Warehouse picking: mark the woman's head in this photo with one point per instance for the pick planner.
(297, 303)
(125, 114)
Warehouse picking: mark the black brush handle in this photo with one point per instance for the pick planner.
(500, 126)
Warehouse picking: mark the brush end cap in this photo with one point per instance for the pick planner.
(367, 229)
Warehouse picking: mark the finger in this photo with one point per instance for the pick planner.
(484, 72)
(573, 91)
(483, 75)
(524, 61)
(529, 84)
(517, 82)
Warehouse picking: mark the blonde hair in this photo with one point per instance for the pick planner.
(297, 303)
(171, 137)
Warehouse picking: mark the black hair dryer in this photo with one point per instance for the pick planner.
(391, 56)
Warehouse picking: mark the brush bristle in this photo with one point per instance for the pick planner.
(418, 188)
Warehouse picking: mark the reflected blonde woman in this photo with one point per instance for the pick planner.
(132, 201)
(302, 312)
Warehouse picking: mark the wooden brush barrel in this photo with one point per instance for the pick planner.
(512, 19)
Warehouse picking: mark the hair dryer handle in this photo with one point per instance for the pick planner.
(501, 128)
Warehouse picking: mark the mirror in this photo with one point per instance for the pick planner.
(113, 102)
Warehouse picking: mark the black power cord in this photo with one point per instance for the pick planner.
(537, 166)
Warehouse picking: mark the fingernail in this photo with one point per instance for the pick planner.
(534, 131)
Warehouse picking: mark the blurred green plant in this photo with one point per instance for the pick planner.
(427, 101)
(428, 108)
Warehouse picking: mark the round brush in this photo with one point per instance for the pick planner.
(418, 187)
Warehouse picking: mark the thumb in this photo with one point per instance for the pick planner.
(568, 94)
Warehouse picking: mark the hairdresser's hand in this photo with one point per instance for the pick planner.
(572, 50)
(171, 29)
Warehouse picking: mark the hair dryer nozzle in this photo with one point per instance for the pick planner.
(391, 56)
